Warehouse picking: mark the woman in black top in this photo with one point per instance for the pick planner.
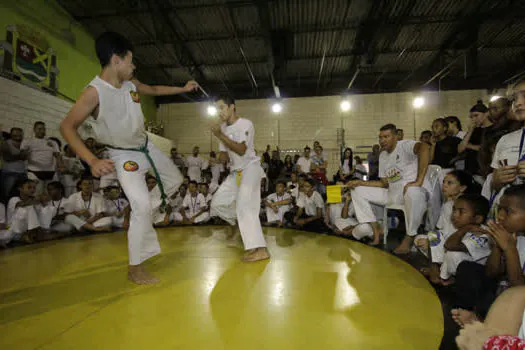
(288, 166)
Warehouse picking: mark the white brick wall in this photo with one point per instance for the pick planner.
(22, 106)
(304, 120)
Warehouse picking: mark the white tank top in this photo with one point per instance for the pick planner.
(120, 122)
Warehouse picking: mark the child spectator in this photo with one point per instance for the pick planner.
(194, 209)
(117, 208)
(277, 205)
(56, 209)
(309, 216)
(444, 148)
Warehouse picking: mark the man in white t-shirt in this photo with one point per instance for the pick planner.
(304, 164)
(113, 100)
(196, 165)
(239, 197)
(402, 169)
(43, 158)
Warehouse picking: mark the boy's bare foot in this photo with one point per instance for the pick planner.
(463, 317)
(378, 234)
(433, 274)
(256, 254)
(139, 275)
(404, 247)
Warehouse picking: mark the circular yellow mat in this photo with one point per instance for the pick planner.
(317, 292)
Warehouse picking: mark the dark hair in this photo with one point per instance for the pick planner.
(455, 120)
(203, 184)
(109, 44)
(478, 203)
(57, 141)
(38, 123)
(390, 127)
(399, 130)
(85, 178)
(16, 129)
(442, 121)
(350, 159)
(266, 158)
(310, 181)
(479, 107)
(173, 149)
(227, 99)
(517, 191)
(280, 182)
(192, 183)
(426, 132)
(57, 185)
(186, 177)
(307, 148)
(302, 176)
(288, 157)
(504, 101)
(465, 179)
(213, 154)
(6, 135)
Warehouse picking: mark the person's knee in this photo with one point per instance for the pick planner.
(416, 194)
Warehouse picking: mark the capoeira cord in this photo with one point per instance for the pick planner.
(144, 149)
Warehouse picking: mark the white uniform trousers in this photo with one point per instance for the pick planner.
(415, 201)
(451, 262)
(242, 203)
(7, 236)
(272, 216)
(29, 218)
(203, 218)
(142, 238)
(46, 215)
(78, 222)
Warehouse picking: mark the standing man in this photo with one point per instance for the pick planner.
(402, 169)
(196, 165)
(239, 196)
(113, 98)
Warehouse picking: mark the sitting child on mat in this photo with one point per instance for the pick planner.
(432, 244)
(117, 208)
(194, 208)
(310, 205)
(160, 217)
(56, 209)
(277, 205)
(86, 209)
(341, 217)
(471, 240)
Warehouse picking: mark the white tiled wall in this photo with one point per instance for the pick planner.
(304, 120)
(22, 106)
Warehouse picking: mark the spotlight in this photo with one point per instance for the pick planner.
(494, 98)
(277, 108)
(418, 102)
(212, 111)
(345, 106)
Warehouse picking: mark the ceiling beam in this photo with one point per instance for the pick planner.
(264, 19)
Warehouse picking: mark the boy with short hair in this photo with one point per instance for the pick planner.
(277, 205)
(117, 208)
(309, 216)
(194, 208)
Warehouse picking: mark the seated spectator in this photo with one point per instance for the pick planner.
(309, 216)
(402, 169)
(5, 234)
(444, 148)
(341, 217)
(56, 209)
(304, 164)
(318, 170)
(86, 209)
(277, 205)
(476, 285)
(117, 208)
(471, 241)
(432, 245)
(212, 186)
(293, 185)
(14, 161)
(287, 166)
(24, 215)
(373, 163)
(203, 189)
(72, 171)
(194, 208)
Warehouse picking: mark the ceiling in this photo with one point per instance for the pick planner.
(316, 47)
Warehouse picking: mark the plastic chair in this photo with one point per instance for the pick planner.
(431, 184)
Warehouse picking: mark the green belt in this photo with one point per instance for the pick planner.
(144, 149)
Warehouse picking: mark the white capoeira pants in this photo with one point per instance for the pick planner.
(46, 215)
(415, 201)
(29, 218)
(272, 216)
(451, 262)
(177, 217)
(78, 222)
(142, 238)
(359, 231)
(242, 203)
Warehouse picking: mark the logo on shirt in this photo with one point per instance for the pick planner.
(393, 175)
(130, 166)
(434, 238)
(135, 96)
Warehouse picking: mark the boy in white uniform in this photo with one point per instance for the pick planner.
(117, 208)
(194, 209)
(277, 204)
(56, 207)
(239, 197)
(196, 165)
(114, 101)
(402, 169)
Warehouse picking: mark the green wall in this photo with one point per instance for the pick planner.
(77, 64)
